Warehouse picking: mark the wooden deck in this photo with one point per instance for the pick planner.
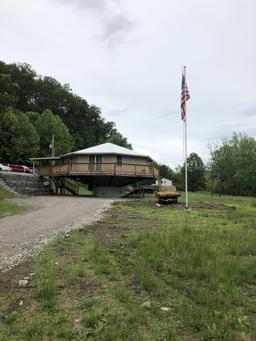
(101, 169)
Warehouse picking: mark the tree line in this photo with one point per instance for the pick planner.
(33, 107)
(230, 170)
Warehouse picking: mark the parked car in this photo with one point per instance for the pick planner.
(21, 169)
(5, 168)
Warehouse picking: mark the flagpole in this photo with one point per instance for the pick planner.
(185, 142)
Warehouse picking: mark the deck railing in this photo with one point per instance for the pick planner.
(90, 169)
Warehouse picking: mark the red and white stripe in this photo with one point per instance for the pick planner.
(184, 97)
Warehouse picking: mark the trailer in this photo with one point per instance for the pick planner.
(168, 198)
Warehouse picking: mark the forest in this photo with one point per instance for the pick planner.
(33, 108)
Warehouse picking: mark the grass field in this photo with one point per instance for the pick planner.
(199, 265)
(7, 208)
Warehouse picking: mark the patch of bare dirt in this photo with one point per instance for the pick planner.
(113, 225)
(178, 206)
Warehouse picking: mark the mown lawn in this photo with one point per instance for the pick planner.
(200, 266)
(7, 208)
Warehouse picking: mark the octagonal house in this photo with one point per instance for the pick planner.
(105, 168)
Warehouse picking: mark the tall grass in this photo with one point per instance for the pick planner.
(46, 282)
(199, 264)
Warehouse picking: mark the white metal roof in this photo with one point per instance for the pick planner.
(44, 158)
(108, 148)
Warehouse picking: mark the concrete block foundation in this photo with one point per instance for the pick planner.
(107, 191)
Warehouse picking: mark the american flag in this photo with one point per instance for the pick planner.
(184, 96)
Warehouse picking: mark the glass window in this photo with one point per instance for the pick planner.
(91, 162)
(95, 162)
(119, 160)
(91, 158)
(98, 161)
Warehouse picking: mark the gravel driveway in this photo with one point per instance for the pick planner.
(47, 216)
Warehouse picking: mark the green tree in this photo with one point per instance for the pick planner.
(233, 164)
(33, 116)
(27, 139)
(24, 90)
(18, 138)
(195, 172)
(166, 172)
(8, 128)
(48, 125)
(178, 178)
(120, 140)
(8, 89)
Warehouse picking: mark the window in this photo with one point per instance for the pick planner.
(119, 160)
(91, 162)
(95, 162)
(98, 160)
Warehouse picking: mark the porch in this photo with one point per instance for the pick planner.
(67, 168)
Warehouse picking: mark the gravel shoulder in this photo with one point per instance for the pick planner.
(45, 217)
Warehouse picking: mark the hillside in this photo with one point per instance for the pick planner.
(25, 96)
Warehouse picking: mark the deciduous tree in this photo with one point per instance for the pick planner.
(18, 138)
(48, 125)
(196, 172)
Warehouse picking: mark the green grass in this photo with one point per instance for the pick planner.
(5, 194)
(84, 191)
(168, 192)
(200, 264)
(7, 208)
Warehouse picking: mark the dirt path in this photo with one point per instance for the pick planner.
(46, 216)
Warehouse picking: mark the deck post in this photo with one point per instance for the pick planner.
(52, 185)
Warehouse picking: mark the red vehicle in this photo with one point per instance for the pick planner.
(168, 197)
(20, 169)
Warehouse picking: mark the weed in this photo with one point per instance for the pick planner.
(12, 322)
(100, 260)
(122, 294)
(60, 241)
(11, 318)
(34, 332)
(77, 270)
(46, 283)
(90, 320)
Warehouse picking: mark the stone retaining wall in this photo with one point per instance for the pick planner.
(26, 183)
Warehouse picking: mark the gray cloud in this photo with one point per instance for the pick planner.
(114, 20)
(114, 29)
(91, 5)
(248, 112)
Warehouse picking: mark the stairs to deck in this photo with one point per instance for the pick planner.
(62, 183)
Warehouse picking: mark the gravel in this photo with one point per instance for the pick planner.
(24, 234)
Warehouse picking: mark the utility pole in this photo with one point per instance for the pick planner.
(52, 147)
(54, 188)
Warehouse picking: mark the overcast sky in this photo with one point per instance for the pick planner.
(126, 57)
